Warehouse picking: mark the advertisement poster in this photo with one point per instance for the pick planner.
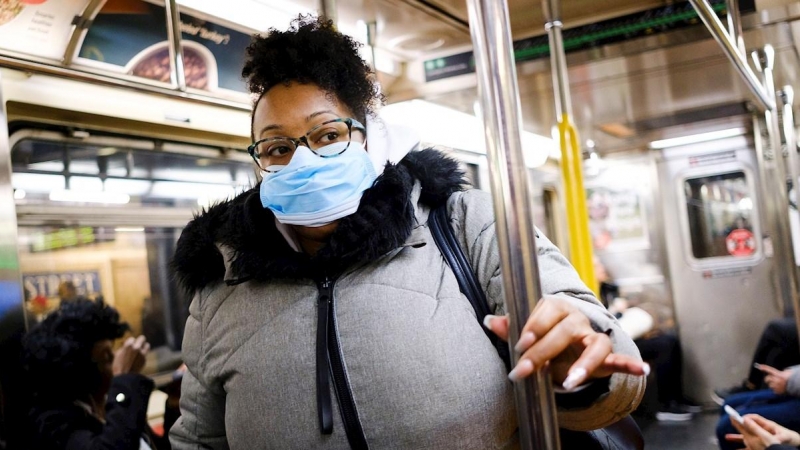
(38, 27)
(617, 219)
(130, 36)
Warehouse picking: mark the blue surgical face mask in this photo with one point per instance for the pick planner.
(315, 191)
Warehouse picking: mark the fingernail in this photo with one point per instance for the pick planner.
(523, 369)
(487, 321)
(525, 341)
(574, 378)
(646, 368)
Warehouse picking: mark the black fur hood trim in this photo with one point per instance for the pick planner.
(382, 223)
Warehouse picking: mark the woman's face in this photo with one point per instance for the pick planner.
(293, 110)
(103, 356)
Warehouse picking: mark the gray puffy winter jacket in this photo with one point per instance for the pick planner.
(415, 363)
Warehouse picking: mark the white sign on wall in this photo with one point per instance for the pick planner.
(38, 27)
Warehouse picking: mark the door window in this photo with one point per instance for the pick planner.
(720, 211)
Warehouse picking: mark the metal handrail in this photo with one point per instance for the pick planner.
(497, 86)
(176, 73)
(731, 49)
(787, 98)
(80, 24)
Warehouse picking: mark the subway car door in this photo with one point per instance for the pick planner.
(720, 267)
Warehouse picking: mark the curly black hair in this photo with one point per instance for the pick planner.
(311, 51)
(57, 353)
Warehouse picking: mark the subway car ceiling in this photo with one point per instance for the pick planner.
(640, 70)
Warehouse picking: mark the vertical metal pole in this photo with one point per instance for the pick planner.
(177, 74)
(765, 60)
(580, 241)
(787, 98)
(735, 25)
(12, 304)
(327, 9)
(372, 34)
(497, 86)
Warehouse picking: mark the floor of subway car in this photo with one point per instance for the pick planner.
(697, 434)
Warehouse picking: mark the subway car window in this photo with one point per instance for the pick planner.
(125, 257)
(720, 209)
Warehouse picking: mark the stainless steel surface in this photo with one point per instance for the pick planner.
(10, 276)
(735, 26)
(731, 50)
(721, 304)
(558, 64)
(536, 409)
(784, 250)
(558, 59)
(790, 133)
(80, 25)
(176, 74)
(327, 8)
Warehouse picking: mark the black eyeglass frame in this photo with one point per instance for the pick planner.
(351, 124)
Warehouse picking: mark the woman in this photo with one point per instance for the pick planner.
(780, 403)
(325, 317)
(85, 395)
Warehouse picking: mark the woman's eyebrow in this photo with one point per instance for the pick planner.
(319, 113)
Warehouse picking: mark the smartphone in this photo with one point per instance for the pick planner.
(733, 413)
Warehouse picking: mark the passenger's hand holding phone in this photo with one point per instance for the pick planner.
(560, 335)
(759, 433)
(775, 379)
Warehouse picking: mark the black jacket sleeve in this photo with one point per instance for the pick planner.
(126, 419)
(781, 447)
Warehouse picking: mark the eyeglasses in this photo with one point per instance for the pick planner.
(273, 153)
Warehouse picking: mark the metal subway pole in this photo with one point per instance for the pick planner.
(497, 86)
(580, 242)
(327, 9)
(787, 98)
(735, 26)
(732, 51)
(774, 162)
(176, 74)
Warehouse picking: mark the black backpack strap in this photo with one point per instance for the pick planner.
(445, 238)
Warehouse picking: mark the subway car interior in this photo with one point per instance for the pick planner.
(122, 119)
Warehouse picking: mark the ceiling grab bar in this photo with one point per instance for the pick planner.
(580, 241)
(499, 94)
(735, 26)
(731, 49)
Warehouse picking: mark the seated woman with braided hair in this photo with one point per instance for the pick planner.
(85, 395)
(325, 317)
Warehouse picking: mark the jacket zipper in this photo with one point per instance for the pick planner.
(335, 366)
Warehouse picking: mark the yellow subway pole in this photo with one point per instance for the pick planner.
(580, 242)
(581, 254)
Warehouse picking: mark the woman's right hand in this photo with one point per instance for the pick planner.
(759, 433)
(130, 357)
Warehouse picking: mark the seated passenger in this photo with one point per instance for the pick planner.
(778, 347)
(758, 433)
(661, 349)
(323, 313)
(780, 403)
(86, 396)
